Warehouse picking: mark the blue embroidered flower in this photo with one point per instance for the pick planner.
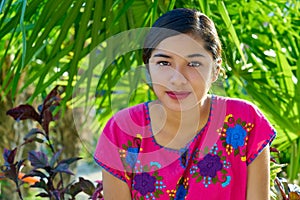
(236, 136)
(131, 157)
(144, 183)
(181, 193)
(210, 165)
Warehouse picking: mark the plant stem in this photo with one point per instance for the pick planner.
(19, 191)
(50, 144)
(280, 189)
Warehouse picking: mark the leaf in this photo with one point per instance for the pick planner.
(9, 155)
(37, 173)
(226, 18)
(273, 149)
(54, 158)
(23, 112)
(47, 118)
(236, 152)
(86, 186)
(11, 172)
(19, 164)
(56, 194)
(42, 194)
(50, 98)
(62, 168)
(129, 143)
(32, 132)
(199, 179)
(38, 159)
(74, 189)
(123, 11)
(39, 140)
(97, 192)
(70, 160)
(220, 153)
(195, 174)
(214, 180)
(294, 196)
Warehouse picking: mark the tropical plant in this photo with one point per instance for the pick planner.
(47, 167)
(62, 42)
(281, 188)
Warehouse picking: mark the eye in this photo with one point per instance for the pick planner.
(194, 64)
(163, 63)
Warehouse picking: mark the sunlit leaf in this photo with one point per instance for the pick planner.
(38, 159)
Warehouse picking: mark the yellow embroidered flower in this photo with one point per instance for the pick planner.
(243, 158)
(171, 193)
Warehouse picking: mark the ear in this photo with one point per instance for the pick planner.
(216, 70)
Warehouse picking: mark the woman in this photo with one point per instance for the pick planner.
(187, 144)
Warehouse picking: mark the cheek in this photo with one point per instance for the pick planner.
(198, 75)
(206, 74)
(158, 75)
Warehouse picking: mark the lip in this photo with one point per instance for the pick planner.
(178, 95)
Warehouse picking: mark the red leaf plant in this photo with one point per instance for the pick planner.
(45, 166)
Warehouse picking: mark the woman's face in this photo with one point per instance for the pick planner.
(182, 71)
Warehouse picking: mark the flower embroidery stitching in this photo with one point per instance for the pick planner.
(181, 193)
(236, 136)
(210, 165)
(181, 190)
(212, 168)
(131, 156)
(147, 185)
(129, 153)
(144, 183)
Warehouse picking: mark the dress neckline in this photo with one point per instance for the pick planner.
(200, 132)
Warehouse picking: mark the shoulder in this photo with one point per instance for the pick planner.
(234, 101)
(128, 121)
(240, 108)
(236, 104)
(133, 114)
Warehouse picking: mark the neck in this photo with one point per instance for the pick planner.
(191, 119)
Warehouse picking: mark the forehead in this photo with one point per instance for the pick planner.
(183, 45)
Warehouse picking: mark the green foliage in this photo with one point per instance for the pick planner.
(62, 42)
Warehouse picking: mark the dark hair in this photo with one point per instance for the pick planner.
(183, 20)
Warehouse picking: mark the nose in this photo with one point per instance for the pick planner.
(177, 78)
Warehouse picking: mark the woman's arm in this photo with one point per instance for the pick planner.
(114, 188)
(258, 185)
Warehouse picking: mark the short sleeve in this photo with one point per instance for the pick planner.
(262, 134)
(119, 143)
(107, 153)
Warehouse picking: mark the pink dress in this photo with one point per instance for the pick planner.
(213, 165)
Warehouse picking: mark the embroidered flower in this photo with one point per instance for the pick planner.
(181, 190)
(131, 157)
(144, 183)
(181, 193)
(210, 165)
(236, 136)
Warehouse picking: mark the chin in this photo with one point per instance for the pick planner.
(180, 106)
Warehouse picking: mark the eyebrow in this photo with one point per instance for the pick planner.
(162, 55)
(189, 56)
(195, 55)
